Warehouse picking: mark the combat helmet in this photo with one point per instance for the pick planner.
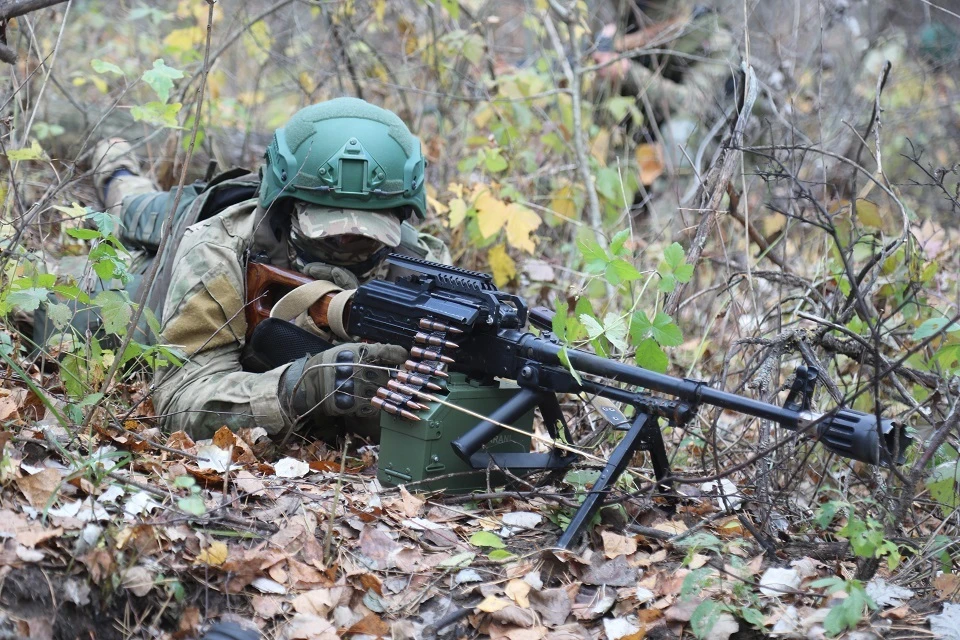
(345, 154)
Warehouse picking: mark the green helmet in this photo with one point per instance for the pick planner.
(346, 154)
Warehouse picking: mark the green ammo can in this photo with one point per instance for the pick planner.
(419, 451)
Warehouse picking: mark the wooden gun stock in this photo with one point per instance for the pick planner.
(266, 284)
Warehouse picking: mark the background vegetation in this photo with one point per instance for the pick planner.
(818, 227)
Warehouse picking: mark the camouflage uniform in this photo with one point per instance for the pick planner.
(203, 308)
(690, 83)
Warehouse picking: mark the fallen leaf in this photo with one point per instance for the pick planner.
(517, 591)
(214, 555)
(514, 616)
(947, 585)
(614, 573)
(615, 545)
(371, 625)
(410, 503)
(553, 605)
(887, 595)
(213, 458)
(138, 580)
(379, 547)
(266, 585)
(776, 582)
(40, 487)
(590, 604)
(247, 482)
(308, 627)
(616, 628)
(493, 603)
(318, 602)
(724, 627)
(291, 468)
(266, 607)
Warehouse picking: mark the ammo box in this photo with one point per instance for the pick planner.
(415, 451)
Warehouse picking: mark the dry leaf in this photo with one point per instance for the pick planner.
(553, 605)
(212, 458)
(308, 627)
(267, 607)
(40, 487)
(493, 603)
(214, 555)
(517, 591)
(291, 468)
(502, 266)
(318, 602)
(371, 625)
(776, 582)
(650, 160)
(410, 503)
(615, 545)
(138, 580)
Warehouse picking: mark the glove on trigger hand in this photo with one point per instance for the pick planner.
(332, 382)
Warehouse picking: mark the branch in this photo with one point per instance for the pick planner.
(13, 8)
(728, 165)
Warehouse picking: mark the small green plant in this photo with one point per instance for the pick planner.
(849, 612)
(193, 503)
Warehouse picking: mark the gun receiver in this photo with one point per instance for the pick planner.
(452, 319)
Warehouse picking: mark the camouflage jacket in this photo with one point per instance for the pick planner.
(203, 315)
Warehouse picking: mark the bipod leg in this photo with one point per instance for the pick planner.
(651, 439)
(633, 440)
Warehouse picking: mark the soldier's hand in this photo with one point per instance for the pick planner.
(336, 382)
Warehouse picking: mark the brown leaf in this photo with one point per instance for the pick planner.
(180, 440)
(303, 576)
(8, 409)
(308, 627)
(591, 603)
(138, 580)
(370, 625)
(518, 590)
(947, 585)
(224, 438)
(615, 545)
(189, 623)
(682, 610)
(514, 616)
(379, 547)
(317, 602)
(411, 503)
(99, 563)
(553, 605)
(40, 487)
(267, 607)
(650, 161)
(27, 533)
(613, 573)
(369, 581)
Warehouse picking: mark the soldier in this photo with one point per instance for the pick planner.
(339, 187)
(692, 79)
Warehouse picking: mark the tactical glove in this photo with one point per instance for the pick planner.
(332, 385)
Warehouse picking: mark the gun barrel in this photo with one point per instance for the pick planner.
(852, 434)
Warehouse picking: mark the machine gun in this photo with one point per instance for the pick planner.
(455, 321)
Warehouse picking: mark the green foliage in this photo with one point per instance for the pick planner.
(192, 503)
(849, 612)
(944, 485)
(160, 78)
(867, 540)
(673, 268)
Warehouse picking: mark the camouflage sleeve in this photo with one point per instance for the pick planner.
(203, 315)
(704, 81)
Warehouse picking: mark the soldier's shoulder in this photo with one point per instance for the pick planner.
(238, 221)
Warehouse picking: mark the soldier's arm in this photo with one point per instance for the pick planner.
(203, 315)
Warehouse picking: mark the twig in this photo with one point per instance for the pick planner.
(14, 8)
(573, 75)
(730, 159)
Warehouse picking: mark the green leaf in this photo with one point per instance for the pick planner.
(704, 617)
(106, 222)
(616, 245)
(498, 555)
(559, 323)
(184, 482)
(594, 257)
(619, 270)
(673, 255)
(60, 314)
(683, 272)
(493, 161)
(486, 539)
(28, 299)
(33, 152)
(452, 7)
(640, 327)
(593, 327)
(667, 282)
(619, 106)
(158, 113)
(615, 330)
(665, 331)
(650, 356)
(84, 234)
(472, 48)
(944, 485)
(193, 504)
(460, 560)
(564, 358)
(754, 617)
(100, 66)
(161, 78)
(116, 311)
(934, 326)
